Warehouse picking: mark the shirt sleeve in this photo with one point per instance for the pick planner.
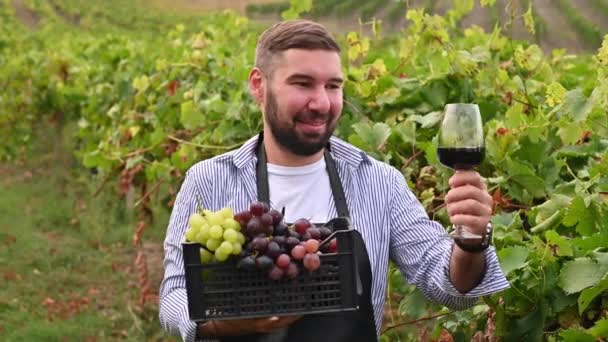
(173, 310)
(423, 256)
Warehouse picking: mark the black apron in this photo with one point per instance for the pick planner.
(347, 326)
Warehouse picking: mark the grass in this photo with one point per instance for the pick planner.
(66, 259)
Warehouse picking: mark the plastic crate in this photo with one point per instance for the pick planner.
(221, 291)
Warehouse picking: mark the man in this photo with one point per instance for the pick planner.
(297, 81)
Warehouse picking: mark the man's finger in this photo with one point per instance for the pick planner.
(468, 192)
(469, 207)
(461, 178)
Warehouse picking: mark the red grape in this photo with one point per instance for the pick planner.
(298, 252)
(292, 270)
(312, 246)
(281, 240)
(257, 208)
(312, 261)
(276, 273)
(301, 225)
(283, 261)
(243, 217)
(332, 246)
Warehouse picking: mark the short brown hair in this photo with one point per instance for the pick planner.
(292, 34)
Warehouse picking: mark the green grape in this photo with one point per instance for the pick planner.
(231, 235)
(206, 212)
(212, 244)
(196, 220)
(216, 232)
(201, 238)
(215, 219)
(221, 256)
(206, 256)
(191, 234)
(226, 213)
(241, 238)
(204, 232)
(236, 248)
(226, 247)
(231, 223)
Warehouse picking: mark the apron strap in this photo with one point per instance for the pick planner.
(334, 179)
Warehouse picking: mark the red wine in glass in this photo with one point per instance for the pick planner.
(461, 147)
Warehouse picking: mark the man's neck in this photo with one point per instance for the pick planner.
(276, 154)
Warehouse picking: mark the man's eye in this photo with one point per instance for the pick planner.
(302, 84)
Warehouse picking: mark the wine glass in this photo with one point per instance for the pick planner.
(461, 147)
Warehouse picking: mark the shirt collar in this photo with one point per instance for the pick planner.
(340, 150)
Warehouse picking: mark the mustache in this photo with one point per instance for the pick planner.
(313, 116)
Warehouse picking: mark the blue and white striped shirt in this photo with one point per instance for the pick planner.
(383, 209)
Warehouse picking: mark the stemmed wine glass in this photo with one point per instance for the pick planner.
(461, 147)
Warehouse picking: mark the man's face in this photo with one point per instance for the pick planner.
(303, 99)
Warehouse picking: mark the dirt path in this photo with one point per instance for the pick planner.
(595, 17)
(559, 33)
(27, 16)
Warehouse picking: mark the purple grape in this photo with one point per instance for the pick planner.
(254, 226)
(247, 263)
(281, 240)
(259, 244)
(273, 250)
(314, 233)
(276, 216)
(264, 262)
(325, 232)
(266, 219)
(306, 236)
(293, 233)
(281, 229)
(292, 242)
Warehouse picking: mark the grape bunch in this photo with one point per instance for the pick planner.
(278, 249)
(218, 232)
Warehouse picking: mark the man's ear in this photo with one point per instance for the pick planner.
(256, 84)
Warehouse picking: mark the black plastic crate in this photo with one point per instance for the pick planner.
(221, 291)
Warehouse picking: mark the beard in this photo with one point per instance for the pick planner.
(286, 135)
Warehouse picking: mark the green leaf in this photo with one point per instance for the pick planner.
(374, 136)
(513, 258)
(576, 335)
(389, 96)
(587, 295)
(600, 329)
(550, 207)
(581, 273)
(297, 7)
(429, 120)
(407, 131)
(576, 105)
(527, 328)
(579, 213)
(563, 245)
(190, 117)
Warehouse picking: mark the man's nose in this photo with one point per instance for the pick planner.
(319, 101)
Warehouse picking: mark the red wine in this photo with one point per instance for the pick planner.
(461, 158)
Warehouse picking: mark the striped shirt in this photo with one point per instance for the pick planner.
(383, 209)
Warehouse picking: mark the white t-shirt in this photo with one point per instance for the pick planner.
(304, 191)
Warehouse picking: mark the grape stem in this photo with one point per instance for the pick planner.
(416, 321)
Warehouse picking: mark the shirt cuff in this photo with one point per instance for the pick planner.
(493, 280)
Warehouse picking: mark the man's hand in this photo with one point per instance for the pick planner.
(239, 327)
(468, 202)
